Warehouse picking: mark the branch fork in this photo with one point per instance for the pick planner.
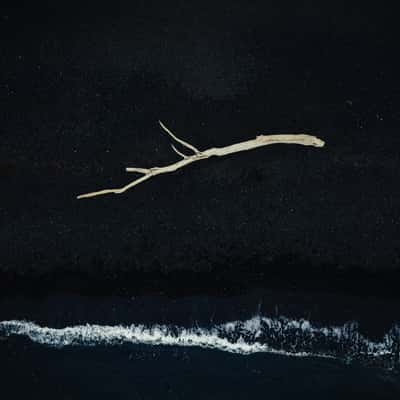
(197, 155)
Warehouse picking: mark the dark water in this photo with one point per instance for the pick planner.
(141, 372)
(262, 343)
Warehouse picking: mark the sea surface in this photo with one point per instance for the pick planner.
(282, 344)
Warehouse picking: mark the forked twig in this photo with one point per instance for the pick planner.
(259, 141)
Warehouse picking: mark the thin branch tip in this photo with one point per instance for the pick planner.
(178, 152)
(138, 170)
(182, 142)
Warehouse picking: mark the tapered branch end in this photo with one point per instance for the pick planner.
(138, 170)
(83, 196)
(316, 142)
(182, 142)
(178, 152)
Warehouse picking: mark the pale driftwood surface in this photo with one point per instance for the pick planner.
(197, 155)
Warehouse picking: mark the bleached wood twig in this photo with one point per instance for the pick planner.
(197, 155)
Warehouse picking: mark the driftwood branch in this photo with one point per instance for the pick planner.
(197, 155)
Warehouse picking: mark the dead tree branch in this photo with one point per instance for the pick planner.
(197, 155)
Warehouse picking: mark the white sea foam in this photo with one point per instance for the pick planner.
(259, 334)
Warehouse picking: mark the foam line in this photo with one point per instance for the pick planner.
(259, 334)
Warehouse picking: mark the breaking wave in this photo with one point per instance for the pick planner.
(279, 335)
